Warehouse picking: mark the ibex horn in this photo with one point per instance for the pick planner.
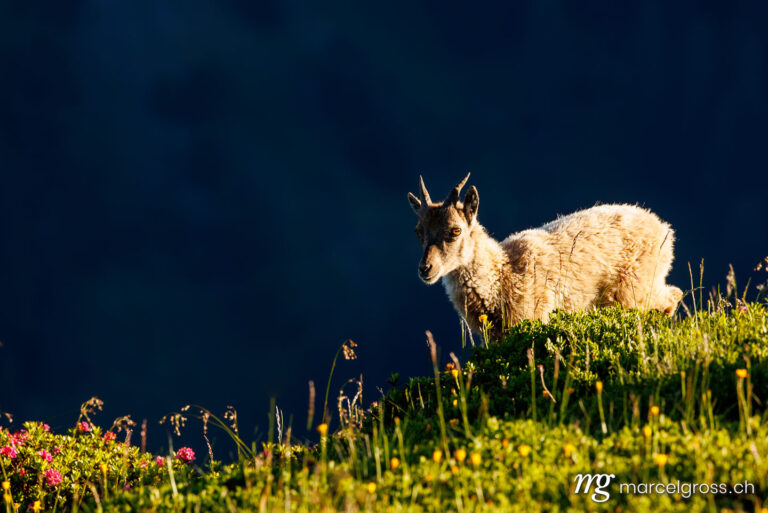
(454, 196)
(424, 193)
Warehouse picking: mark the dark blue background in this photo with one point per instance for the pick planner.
(199, 201)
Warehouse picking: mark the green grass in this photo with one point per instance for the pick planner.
(625, 392)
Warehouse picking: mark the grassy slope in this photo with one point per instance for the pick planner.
(673, 408)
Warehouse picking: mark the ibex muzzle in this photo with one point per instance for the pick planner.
(444, 229)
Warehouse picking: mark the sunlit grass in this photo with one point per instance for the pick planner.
(625, 392)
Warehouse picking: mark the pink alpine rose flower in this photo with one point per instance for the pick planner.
(19, 438)
(52, 477)
(8, 450)
(185, 454)
(45, 455)
(84, 427)
(159, 461)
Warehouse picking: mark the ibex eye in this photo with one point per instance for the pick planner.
(455, 232)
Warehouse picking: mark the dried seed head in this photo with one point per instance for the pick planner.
(123, 423)
(730, 281)
(176, 420)
(92, 405)
(432, 347)
(349, 353)
(231, 416)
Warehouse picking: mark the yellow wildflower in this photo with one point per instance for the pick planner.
(599, 386)
(37, 506)
(482, 318)
(475, 458)
(6, 485)
(524, 450)
(454, 470)
(654, 410)
(647, 431)
(453, 422)
(394, 462)
(460, 455)
(371, 487)
(455, 402)
(568, 450)
(741, 373)
(322, 429)
(455, 373)
(437, 456)
(103, 468)
(7, 497)
(661, 459)
(504, 443)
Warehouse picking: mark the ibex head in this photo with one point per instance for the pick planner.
(444, 230)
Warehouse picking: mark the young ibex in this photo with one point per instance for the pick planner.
(595, 257)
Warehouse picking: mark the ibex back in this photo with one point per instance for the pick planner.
(595, 257)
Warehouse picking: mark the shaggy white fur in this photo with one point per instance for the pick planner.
(595, 257)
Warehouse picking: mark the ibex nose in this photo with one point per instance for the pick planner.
(424, 269)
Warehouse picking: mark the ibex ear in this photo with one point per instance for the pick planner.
(471, 202)
(415, 202)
